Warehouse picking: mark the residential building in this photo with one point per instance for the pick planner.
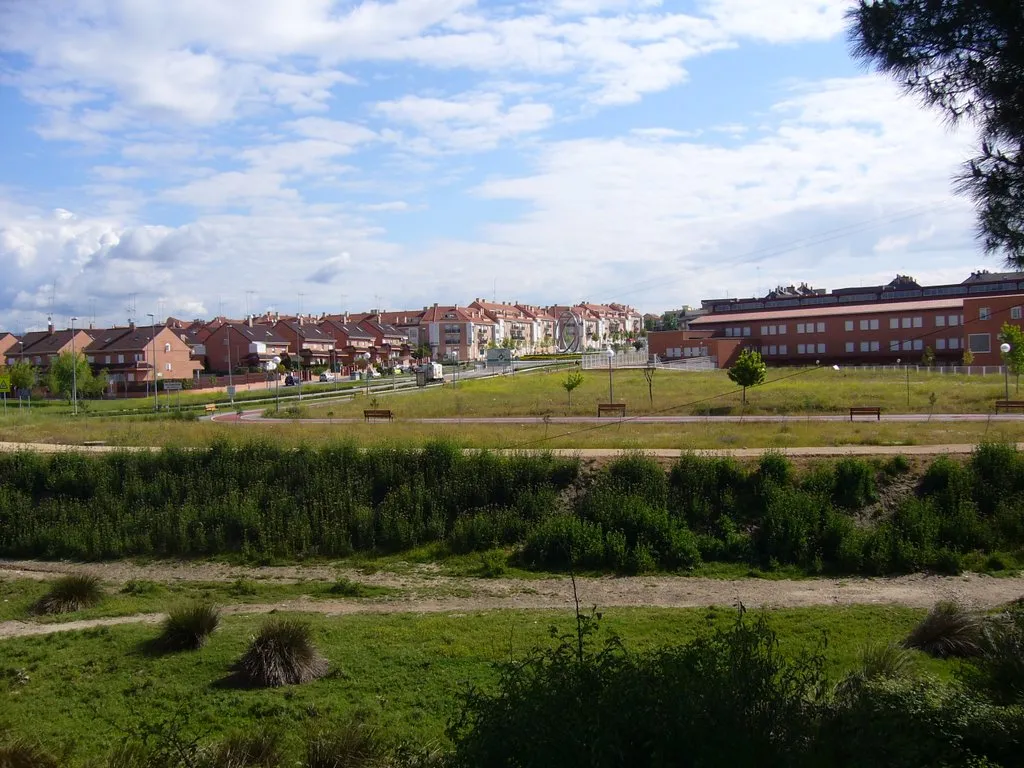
(457, 333)
(352, 343)
(390, 344)
(140, 354)
(406, 321)
(41, 347)
(544, 330)
(8, 345)
(513, 326)
(233, 345)
(315, 347)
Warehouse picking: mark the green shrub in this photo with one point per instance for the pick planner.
(282, 653)
(564, 541)
(493, 564)
(948, 630)
(188, 627)
(854, 484)
(343, 587)
(896, 465)
(998, 668)
(70, 593)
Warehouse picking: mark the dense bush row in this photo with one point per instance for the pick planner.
(261, 500)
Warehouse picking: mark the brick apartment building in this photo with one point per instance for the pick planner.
(232, 346)
(883, 324)
(454, 332)
(140, 354)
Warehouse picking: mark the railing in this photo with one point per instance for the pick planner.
(965, 370)
(619, 360)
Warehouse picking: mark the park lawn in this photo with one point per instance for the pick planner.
(787, 391)
(84, 690)
(610, 434)
(17, 596)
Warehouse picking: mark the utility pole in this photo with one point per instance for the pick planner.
(156, 387)
(74, 370)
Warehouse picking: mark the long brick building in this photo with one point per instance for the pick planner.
(883, 324)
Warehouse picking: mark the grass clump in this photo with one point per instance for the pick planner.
(344, 587)
(347, 745)
(187, 627)
(250, 749)
(21, 753)
(949, 630)
(998, 669)
(282, 653)
(67, 594)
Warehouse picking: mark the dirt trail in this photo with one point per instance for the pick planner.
(460, 595)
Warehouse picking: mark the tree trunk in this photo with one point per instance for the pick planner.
(744, 395)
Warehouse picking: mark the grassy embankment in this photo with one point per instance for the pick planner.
(87, 689)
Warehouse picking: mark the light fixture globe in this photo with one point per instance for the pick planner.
(1004, 348)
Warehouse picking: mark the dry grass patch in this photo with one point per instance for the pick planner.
(949, 630)
(70, 593)
(282, 653)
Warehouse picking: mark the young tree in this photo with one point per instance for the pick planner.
(928, 358)
(964, 58)
(62, 378)
(749, 370)
(968, 358)
(649, 376)
(572, 380)
(23, 375)
(1014, 359)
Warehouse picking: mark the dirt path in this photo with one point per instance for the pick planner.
(460, 595)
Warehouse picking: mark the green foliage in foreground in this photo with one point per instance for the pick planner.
(263, 501)
(404, 670)
(677, 688)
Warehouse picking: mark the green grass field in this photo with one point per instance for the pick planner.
(787, 391)
(83, 690)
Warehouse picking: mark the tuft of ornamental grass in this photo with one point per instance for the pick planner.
(282, 653)
(949, 630)
(73, 592)
(877, 661)
(998, 670)
(187, 627)
(347, 745)
(21, 753)
(257, 749)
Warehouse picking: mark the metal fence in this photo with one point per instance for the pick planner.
(619, 360)
(963, 370)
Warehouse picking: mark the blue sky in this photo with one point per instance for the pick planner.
(402, 153)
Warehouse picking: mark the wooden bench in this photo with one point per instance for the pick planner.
(865, 410)
(210, 408)
(1009, 404)
(603, 408)
(377, 413)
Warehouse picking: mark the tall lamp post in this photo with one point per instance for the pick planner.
(74, 370)
(1005, 349)
(611, 390)
(156, 387)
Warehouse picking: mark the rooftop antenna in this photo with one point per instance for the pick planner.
(494, 291)
(220, 306)
(301, 295)
(376, 301)
(248, 305)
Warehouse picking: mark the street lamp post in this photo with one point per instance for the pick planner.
(276, 361)
(74, 370)
(611, 390)
(1005, 349)
(156, 384)
(906, 368)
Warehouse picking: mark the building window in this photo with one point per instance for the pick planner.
(799, 327)
(764, 330)
(905, 322)
(783, 349)
(874, 324)
(1015, 313)
(864, 346)
(728, 331)
(864, 325)
(782, 330)
(848, 325)
(918, 344)
(746, 331)
(801, 348)
(167, 347)
(821, 349)
(954, 343)
(907, 345)
(771, 330)
(894, 345)
(984, 313)
(940, 321)
(90, 358)
(821, 328)
(120, 358)
(772, 350)
(953, 320)
(940, 344)
(849, 346)
(875, 346)
(167, 366)
(894, 322)
(979, 342)
(919, 322)
(107, 360)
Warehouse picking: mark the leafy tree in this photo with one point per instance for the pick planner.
(1014, 359)
(749, 370)
(61, 379)
(928, 358)
(572, 380)
(422, 352)
(968, 358)
(964, 58)
(649, 323)
(23, 375)
(670, 321)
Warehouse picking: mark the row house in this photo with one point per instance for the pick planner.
(352, 342)
(456, 333)
(234, 345)
(391, 345)
(40, 348)
(512, 324)
(315, 346)
(8, 342)
(140, 354)
(405, 322)
(544, 327)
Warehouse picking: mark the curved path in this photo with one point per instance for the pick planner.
(428, 592)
